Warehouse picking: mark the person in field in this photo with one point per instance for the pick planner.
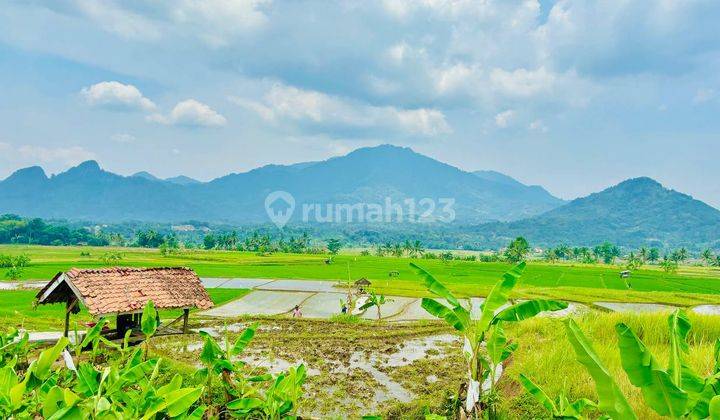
(296, 313)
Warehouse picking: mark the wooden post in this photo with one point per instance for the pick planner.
(68, 309)
(186, 314)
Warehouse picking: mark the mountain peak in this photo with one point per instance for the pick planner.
(183, 180)
(145, 175)
(32, 174)
(640, 182)
(88, 166)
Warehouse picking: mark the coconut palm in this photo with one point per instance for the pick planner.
(707, 256)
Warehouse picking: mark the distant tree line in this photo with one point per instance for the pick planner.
(17, 230)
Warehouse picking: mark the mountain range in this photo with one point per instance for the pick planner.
(492, 205)
(636, 212)
(368, 175)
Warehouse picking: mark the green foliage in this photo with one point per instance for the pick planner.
(517, 250)
(111, 257)
(676, 391)
(149, 323)
(561, 407)
(607, 252)
(18, 230)
(333, 246)
(125, 389)
(247, 394)
(375, 300)
(611, 401)
(668, 264)
(14, 348)
(486, 345)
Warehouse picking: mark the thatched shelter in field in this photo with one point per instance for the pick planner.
(124, 291)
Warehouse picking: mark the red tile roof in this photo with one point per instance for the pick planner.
(126, 289)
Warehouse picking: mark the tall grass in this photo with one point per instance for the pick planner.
(546, 357)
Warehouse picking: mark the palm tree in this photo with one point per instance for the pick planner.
(415, 249)
(517, 250)
(643, 253)
(397, 250)
(707, 256)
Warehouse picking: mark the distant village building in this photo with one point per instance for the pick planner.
(124, 291)
(183, 228)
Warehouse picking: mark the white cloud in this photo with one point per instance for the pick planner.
(218, 21)
(703, 95)
(114, 18)
(504, 118)
(191, 113)
(62, 155)
(538, 125)
(282, 102)
(455, 78)
(522, 82)
(123, 138)
(117, 95)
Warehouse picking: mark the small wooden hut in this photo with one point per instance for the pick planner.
(361, 285)
(124, 291)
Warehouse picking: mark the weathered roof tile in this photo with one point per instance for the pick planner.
(127, 289)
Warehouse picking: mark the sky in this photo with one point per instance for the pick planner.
(571, 95)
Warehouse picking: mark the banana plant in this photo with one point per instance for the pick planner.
(611, 400)
(375, 300)
(149, 324)
(13, 347)
(244, 396)
(561, 407)
(485, 344)
(677, 391)
(21, 397)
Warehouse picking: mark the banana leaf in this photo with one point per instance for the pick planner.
(678, 369)
(434, 286)
(149, 319)
(499, 295)
(458, 317)
(611, 401)
(528, 309)
(244, 339)
(539, 395)
(643, 370)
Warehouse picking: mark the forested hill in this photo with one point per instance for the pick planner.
(636, 212)
(367, 175)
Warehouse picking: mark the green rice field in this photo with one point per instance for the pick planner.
(582, 283)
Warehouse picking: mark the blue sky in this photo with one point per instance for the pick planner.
(571, 95)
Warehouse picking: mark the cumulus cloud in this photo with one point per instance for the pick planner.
(191, 113)
(123, 138)
(522, 82)
(283, 102)
(118, 96)
(218, 21)
(504, 118)
(62, 155)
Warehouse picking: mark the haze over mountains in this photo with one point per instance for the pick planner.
(368, 175)
(635, 212)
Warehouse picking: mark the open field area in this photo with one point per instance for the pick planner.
(689, 286)
(399, 369)
(394, 368)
